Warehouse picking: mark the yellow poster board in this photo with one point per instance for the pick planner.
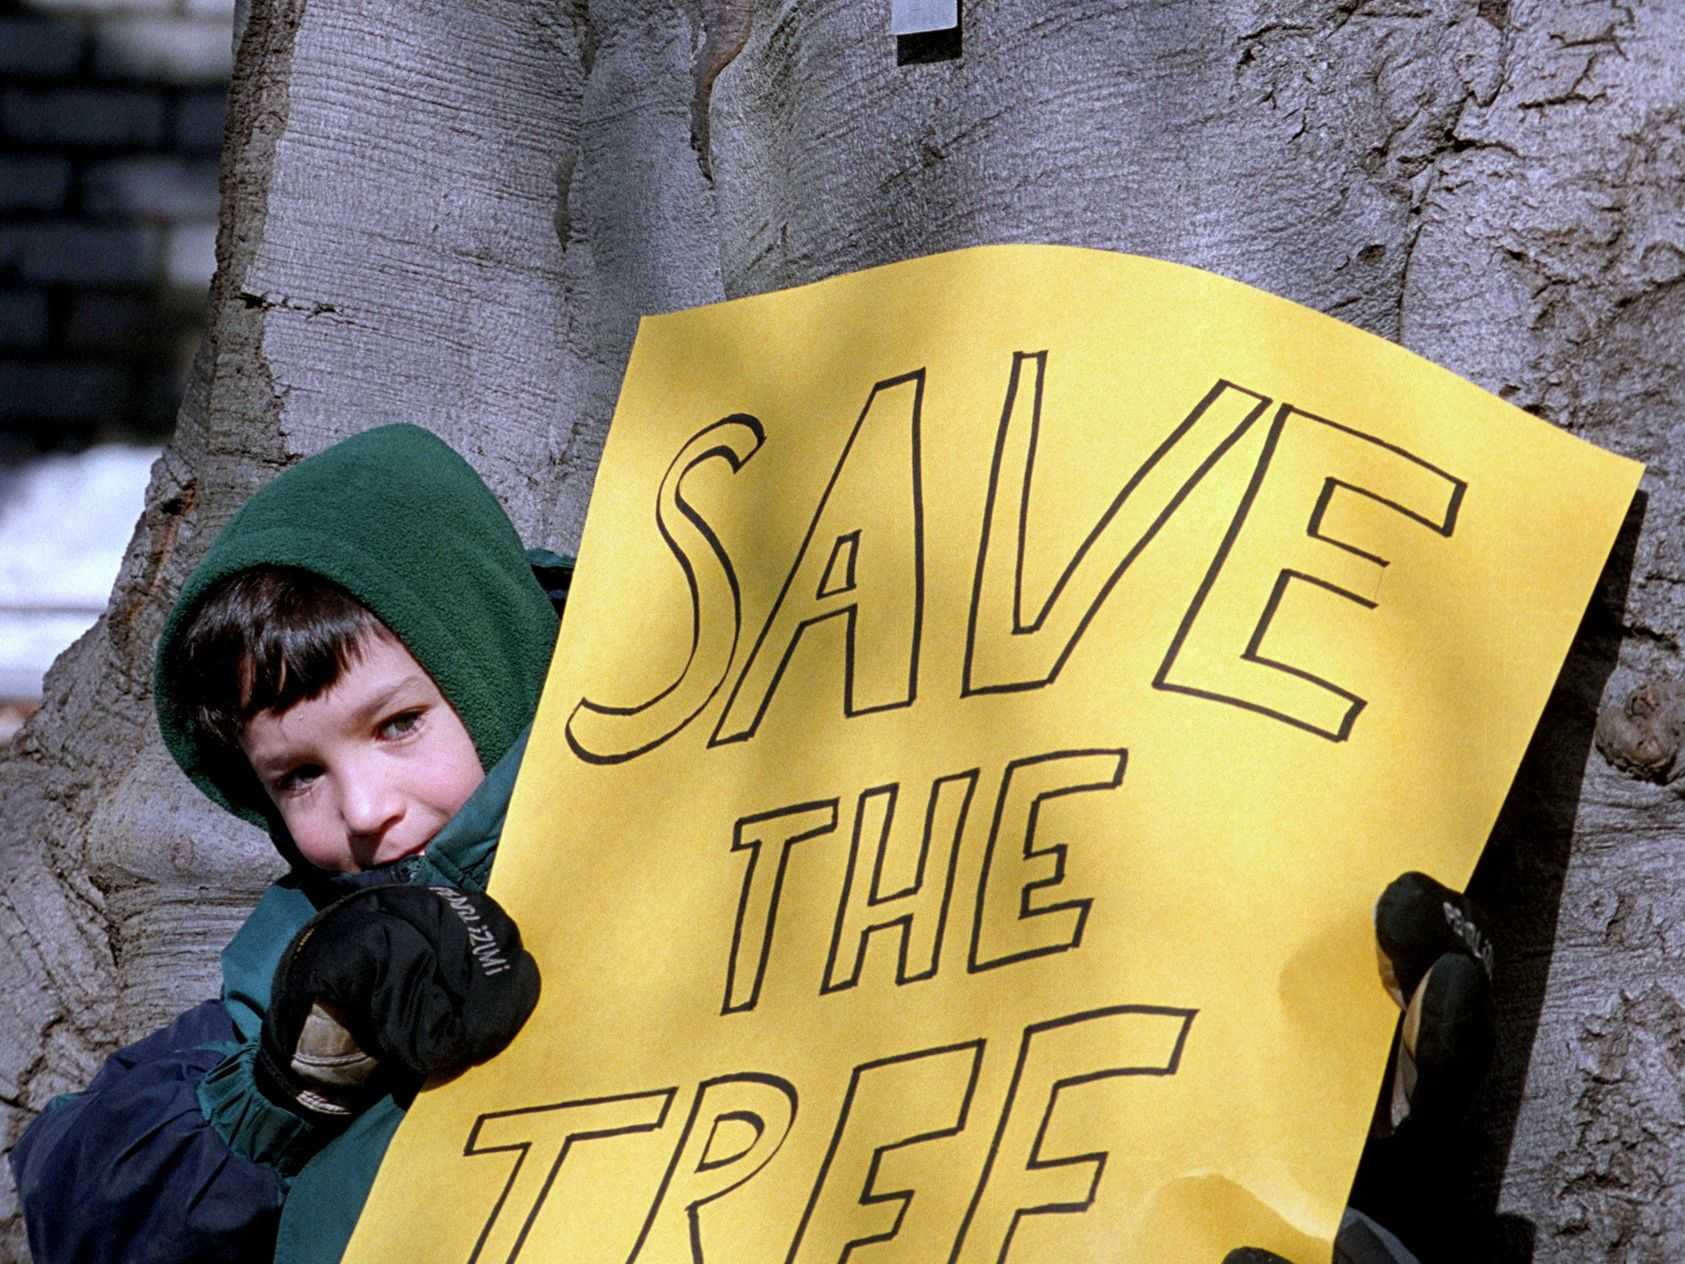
(995, 689)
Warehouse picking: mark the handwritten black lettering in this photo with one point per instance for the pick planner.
(855, 566)
(763, 883)
(1372, 488)
(704, 1169)
(1019, 862)
(1059, 1060)
(910, 884)
(540, 1137)
(600, 733)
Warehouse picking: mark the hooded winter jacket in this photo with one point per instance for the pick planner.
(172, 1152)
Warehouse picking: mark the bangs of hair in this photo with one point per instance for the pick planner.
(263, 640)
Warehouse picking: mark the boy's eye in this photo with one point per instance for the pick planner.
(297, 780)
(401, 725)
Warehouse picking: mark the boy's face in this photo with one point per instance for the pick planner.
(368, 771)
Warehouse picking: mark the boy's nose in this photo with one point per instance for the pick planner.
(369, 805)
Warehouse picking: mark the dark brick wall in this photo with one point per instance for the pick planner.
(110, 121)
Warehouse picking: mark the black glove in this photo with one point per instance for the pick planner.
(386, 987)
(1359, 1241)
(1437, 964)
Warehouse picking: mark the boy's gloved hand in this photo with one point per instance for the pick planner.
(388, 986)
(1437, 964)
(1359, 1241)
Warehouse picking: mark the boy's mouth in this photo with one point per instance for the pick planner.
(415, 849)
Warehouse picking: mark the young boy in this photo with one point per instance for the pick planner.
(353, 666)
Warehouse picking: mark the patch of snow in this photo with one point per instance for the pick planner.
(64, 523)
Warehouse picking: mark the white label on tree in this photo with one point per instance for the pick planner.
(909, 17)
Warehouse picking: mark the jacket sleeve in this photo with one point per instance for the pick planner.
(171, 1152)
(130, 1168)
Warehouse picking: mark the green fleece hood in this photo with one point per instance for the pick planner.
(404, 524)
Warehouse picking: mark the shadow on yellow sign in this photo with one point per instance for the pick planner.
(994, 692)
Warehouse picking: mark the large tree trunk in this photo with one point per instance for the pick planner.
(453, 211)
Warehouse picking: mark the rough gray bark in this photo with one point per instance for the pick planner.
(452, 212)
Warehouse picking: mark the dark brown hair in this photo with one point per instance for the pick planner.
(263, 640)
